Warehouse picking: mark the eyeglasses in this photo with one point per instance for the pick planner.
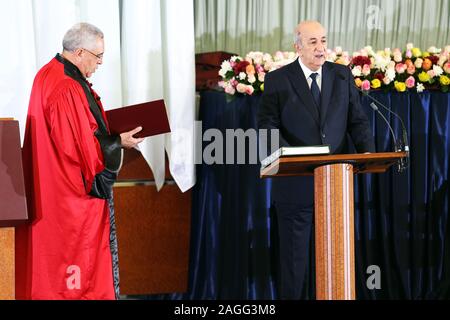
(98, 56)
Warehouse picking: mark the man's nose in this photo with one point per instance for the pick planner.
(320, 47)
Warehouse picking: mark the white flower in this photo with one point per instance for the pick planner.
(420, 87)
(418, 63)
(251, 79)
(409, 46)
(356, 71)
(433, 49)
(291, 56)
(267, 57)
(398, 57)
(242, 76)
(390, 73)
(268, 65)
(338, 50)
(234, 58)
(381, 61)
(331, 56)
(369, 50)
(224, 68)
(437, 70)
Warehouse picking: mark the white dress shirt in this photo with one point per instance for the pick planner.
(308, 73)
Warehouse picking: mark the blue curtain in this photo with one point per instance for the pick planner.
(401, 219)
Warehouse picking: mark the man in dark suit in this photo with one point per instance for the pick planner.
(311, 102)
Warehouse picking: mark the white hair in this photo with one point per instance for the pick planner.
(81, 35)
(297, 38)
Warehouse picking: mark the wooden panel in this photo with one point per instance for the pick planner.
(7, 291)
(335, 263)
(153, 233)
(136, 168)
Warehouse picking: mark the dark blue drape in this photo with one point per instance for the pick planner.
(401, 219)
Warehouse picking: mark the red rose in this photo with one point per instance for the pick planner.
(379, 76)
(240, 67)
(361, 61)
(433, 59)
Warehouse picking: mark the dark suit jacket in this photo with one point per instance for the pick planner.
(287, 104)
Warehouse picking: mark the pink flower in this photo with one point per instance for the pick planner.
(259, 68)
(230, 90)
(410, 82)
(447, 67)
(366, 70)
(411, 69)
(241, 88)
(261, 76)
(431, 73)
(386, 80)
(400, 68)
(249, 90)
(408, 53)
(365, 85)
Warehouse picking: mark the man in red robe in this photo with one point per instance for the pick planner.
(69, 249)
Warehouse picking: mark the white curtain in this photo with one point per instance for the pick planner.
(149, 54)
(241, 26)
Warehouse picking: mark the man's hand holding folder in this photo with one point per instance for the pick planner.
(136, 122)
(128, 141)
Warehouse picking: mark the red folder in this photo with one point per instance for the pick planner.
(151, 116)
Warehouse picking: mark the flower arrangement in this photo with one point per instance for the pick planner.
(411, 69)
(385, 69)
(246, 75)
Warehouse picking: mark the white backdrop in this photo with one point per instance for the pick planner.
(149, 54)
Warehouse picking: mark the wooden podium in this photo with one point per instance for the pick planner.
(333, 212)
(12, 202)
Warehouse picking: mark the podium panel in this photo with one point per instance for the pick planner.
(7, 280)
(334, 232)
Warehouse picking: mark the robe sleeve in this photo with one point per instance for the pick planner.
(72, 129)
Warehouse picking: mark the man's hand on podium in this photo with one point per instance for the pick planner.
(127, 139)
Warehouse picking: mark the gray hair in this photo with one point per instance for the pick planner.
(81, 35)
(297, 38)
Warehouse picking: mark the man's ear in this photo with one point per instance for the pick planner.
(78, 52)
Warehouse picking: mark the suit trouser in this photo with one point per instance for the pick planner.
(295, 232)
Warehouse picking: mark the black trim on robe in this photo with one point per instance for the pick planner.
(110, 144)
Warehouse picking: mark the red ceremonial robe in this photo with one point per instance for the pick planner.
(64, 253)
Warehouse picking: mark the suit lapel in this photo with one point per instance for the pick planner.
(298, 80)
(328, 78)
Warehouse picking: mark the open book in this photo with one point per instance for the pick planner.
(295, 151)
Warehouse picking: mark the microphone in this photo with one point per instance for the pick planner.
(402, 145)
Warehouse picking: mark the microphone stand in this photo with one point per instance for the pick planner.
(399, 146)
